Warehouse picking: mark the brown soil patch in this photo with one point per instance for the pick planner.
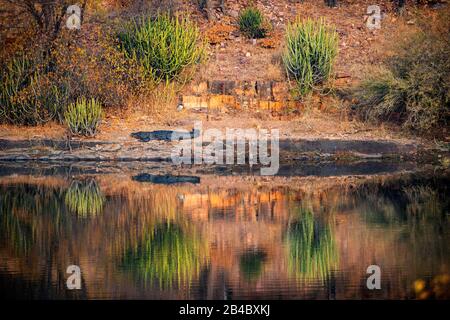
(235, 57)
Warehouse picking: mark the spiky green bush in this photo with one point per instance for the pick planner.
(251, 23)
(13, 79)
(84, 198)
(84, 116)
(311, 49)
(26, 96)
(165, 46)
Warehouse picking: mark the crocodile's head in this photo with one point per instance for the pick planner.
(140, 136)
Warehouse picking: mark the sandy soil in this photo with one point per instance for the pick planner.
(313, 124)
(234, 57)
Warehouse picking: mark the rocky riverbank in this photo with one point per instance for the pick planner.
(157, 151)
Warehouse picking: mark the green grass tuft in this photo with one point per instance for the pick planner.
(251, 23)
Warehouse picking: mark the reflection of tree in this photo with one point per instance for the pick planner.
(251, 263)
(33, 222)
(423, 203)
(36, 224)
(379, 210)
(29, 215)
(312, 252)
(411, 213)
(84, 198)
(171, 254)
(408, 205)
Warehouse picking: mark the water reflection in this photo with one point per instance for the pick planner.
(221, 239)
(384, 205)
(251, 264)
(166, 179)
(312, 252)
(31, 215)
(170, 254)
(84, 198)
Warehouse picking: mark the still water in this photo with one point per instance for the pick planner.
(143, 236)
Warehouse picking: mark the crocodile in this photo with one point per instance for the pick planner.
(164, 135)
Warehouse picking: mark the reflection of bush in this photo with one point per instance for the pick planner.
(423, 201)
(403, 203)
(84, 198)
(312, 252)
(380, 210)
(251, 263)
(29, 215)
(18, 233)
(171, 255)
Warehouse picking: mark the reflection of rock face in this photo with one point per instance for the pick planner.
(197, 241)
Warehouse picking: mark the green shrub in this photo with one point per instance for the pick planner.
(83, 116)
(165, 46)
(413, 86)
(251, 23)
(381, 94)
(27, 97)
(14, 78)
(311, 49)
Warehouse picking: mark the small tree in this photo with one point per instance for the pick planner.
(47, 15)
